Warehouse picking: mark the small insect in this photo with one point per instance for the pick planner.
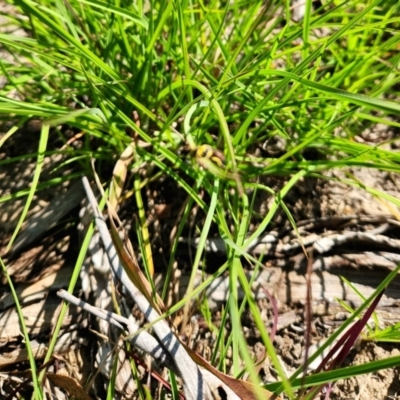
(206, 151)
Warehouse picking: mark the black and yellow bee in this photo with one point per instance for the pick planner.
(205, 151)
(214, 162)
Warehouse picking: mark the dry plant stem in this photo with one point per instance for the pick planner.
(140, 339)
(194, 384)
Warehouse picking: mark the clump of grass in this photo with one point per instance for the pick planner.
(236, 76)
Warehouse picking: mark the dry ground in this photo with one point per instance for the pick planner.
(347, 231)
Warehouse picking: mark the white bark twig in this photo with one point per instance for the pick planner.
(195, 385)
(140, 339)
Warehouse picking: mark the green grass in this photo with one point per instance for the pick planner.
(177, 75)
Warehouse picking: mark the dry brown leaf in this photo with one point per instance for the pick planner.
(39, 349)
(119, 174)
(245, 390)
(70, 385)
(38, 289)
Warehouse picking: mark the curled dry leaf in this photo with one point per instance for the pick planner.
(70, 385)
(119, 174)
